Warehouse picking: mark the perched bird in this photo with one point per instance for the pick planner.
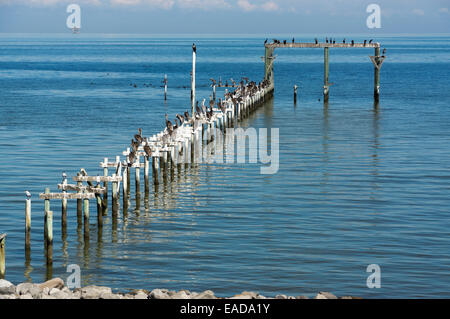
(384, 51)
(194, 48)
(265, 41)
(316, 41)
(180, 118)
(284, 41)
(353, 42)
(326, 40)
(293, 40)
(138, 137)
(365, 41)
(28, 194)
(343, 41)
(131, 158)
(186, 115)
(148, 150)
(169, 124)
(370, 41)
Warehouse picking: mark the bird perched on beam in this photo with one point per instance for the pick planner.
(28, 194)
(147, 150)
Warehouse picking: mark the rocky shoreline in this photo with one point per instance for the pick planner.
(55, 289)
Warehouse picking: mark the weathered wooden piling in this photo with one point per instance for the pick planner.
(86, 218)
(99, 209)
(46, 209)
(165, 87)
(28, 223)
(125, 188)
(326, 71)
(105, 185)
(2, 256)
(80, 202)
(194, 52)
(137, 172)
(155, 169)
(295, 93)
(64, 206)
(376, 90)
(146, 174)
(49, 236)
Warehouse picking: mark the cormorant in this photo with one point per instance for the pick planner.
(194, 48)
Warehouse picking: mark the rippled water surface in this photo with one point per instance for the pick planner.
(357, 184)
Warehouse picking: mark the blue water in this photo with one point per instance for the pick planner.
(357, 185)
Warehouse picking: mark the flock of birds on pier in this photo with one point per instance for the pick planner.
(202, 114)
(327, 40)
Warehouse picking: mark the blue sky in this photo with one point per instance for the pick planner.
(226, 16)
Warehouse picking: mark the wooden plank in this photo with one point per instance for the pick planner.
(86, 189)
(322, 45)
(97, 179)
(49, 196)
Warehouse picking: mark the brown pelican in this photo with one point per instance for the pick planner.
(186, 115)
(181, 118)
(169, 124)
(134, 145)
(131, 158)
(138, 137)
(148, 150)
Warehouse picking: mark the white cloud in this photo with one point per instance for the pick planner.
(270, 6)
(418, 12)
(246, 5)
(443, 10)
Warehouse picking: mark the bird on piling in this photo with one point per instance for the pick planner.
(148, 150)
(138, 137)
(194, 48)
(284, 41)
(197, 109)
(343, 41)
(334, 41)
(265, 42)
(365, 42)
(353, 42)
(180, 118)
(169, 124)
(370, 41)
(384, 52)
(293, 40)
(326, 40)
(28, 194)
(186, 115)
(134, 145)
(131, 158)
(316, 41)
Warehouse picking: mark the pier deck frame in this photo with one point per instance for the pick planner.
(376, 59)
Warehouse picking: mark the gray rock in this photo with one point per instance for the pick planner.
(6, 287)
(159, 294)
(26, 296)
(94, 292)
(181, 295)
(141, 295)
(325, 295)
(24, 288)
(280, 297)
(207, 294)
(52, 283)
(106, 295)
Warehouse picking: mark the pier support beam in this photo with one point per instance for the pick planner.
(376, 90)
(325, 75)
(2, 256)
(268, 63)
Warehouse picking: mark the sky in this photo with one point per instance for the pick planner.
(226, 16)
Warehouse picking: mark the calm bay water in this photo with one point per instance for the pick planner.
(357, 185)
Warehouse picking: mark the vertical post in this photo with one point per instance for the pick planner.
(86, 218)
(114, 194)
(137, 171)
(46, 209)
(125, 188)
(268, 64)
(99, 209)
(193, 77)
(49, 237)
(79, 203)
(64, 207)
(146, 171)
(326, 71)
(2, 256)
(155, 167)
(105, 185)
(165, 87)
(376, 90)
(295, 93)
(214, 92)
(27, 223)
